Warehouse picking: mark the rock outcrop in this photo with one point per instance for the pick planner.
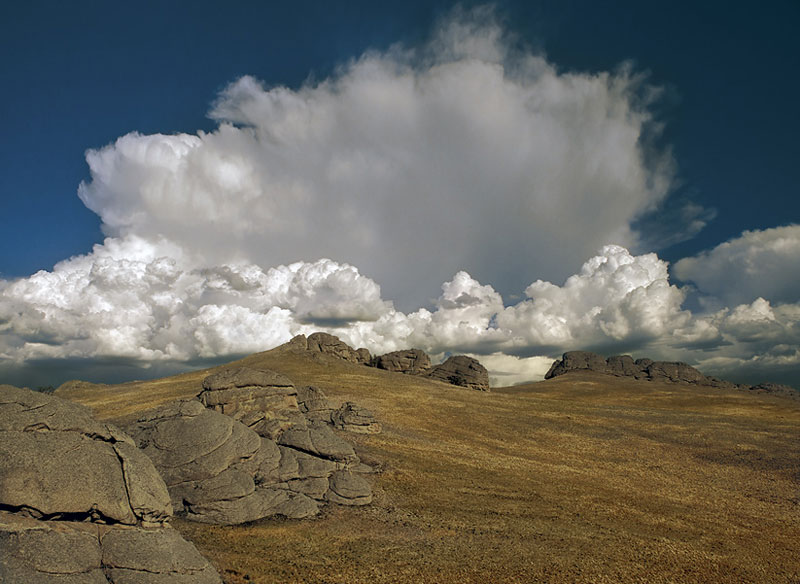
(462, 371)
(262, 400)
(217, 469)
(261, 448)
(314, 404)
(410, 361)
(80, 504)
(647, 369)
(351, 417)
(331, 345)
(625, 366)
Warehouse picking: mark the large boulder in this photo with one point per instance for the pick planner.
(411, 361)
(67, 552)
(80, 504)
(81, 468)
(462, 371)
(263, 400)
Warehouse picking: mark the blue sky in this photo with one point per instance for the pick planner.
(79, 76)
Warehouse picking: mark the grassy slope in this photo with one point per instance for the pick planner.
(583, 478)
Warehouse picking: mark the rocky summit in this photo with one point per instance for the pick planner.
(79, 503)
(328, 344)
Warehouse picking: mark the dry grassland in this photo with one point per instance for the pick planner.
(583, 478)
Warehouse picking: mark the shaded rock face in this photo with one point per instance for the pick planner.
(219, 470)
(79, 503)
(462, 371)
(351, 417)
(262, 400)
(411, 361)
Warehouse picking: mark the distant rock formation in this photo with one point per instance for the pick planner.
(80, 504)
(260, 448)
(462, 371)
(458, 370)
(410, 361)
(776, 389)
(625, 366)
(647, 369)
(331, 345)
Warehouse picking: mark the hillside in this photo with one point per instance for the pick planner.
(581, 478)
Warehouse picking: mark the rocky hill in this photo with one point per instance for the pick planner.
(586, 477)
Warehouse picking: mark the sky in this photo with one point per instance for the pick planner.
(186, 183)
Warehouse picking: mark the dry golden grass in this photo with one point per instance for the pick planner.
(583, 478)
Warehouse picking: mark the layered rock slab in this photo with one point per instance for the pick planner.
(61, 552)
(78, 501)
(263, 400)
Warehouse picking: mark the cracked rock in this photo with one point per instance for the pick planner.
(220, 471)
(262, 400)
(79, 504)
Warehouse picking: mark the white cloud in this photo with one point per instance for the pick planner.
(462, 157)
(759, 263)
(617, 298)
(409, 164)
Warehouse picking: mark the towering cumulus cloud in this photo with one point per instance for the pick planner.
(343, 205)
(460, 155)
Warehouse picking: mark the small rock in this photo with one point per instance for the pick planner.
(353, 418)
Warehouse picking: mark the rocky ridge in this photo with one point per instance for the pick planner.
(457, 370)
(99, 512)
(650, 370)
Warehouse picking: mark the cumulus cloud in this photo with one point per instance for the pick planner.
(462, 157)
(759, 263)
(420, 161)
